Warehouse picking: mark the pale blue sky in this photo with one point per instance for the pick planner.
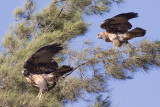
(144, 89)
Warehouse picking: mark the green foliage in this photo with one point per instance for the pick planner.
(10, 42)
(60, 22)
(120, 64)
(22, 31)
(73, 88)
(12, 99)
(19, 12)
(25, 12)
(100, 102)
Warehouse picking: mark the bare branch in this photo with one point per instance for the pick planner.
(56, 16)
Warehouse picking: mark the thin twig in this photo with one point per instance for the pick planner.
(77, 67)
(56, 16)
(108, 53)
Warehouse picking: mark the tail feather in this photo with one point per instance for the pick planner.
(64, 69)
(137, 32)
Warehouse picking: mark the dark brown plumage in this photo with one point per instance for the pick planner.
(117, 29)
(41, 70)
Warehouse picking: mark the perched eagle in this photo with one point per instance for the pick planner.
(117, 29)
(41, 70)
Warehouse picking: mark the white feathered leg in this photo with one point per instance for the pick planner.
(39, 95)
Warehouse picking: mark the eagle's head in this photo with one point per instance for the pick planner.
(25, 72)
(100, 35)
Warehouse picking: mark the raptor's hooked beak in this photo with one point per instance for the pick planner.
(97, 36)
(25, 72)
(22, 72)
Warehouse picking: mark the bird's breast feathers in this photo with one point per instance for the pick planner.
(120, 37)
(35, 79)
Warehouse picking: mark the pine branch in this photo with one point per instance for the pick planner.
(77, 67)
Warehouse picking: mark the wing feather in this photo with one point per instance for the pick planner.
(43, 59)
(119, 23)
(45, 54)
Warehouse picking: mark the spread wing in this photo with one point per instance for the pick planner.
(44, 54)
(43, 59)
(119, 23)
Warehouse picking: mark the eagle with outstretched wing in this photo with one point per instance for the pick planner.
(41, 70)
(117, 29)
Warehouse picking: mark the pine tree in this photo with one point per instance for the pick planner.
(60, 22)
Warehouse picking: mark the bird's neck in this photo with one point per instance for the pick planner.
(106, 37)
